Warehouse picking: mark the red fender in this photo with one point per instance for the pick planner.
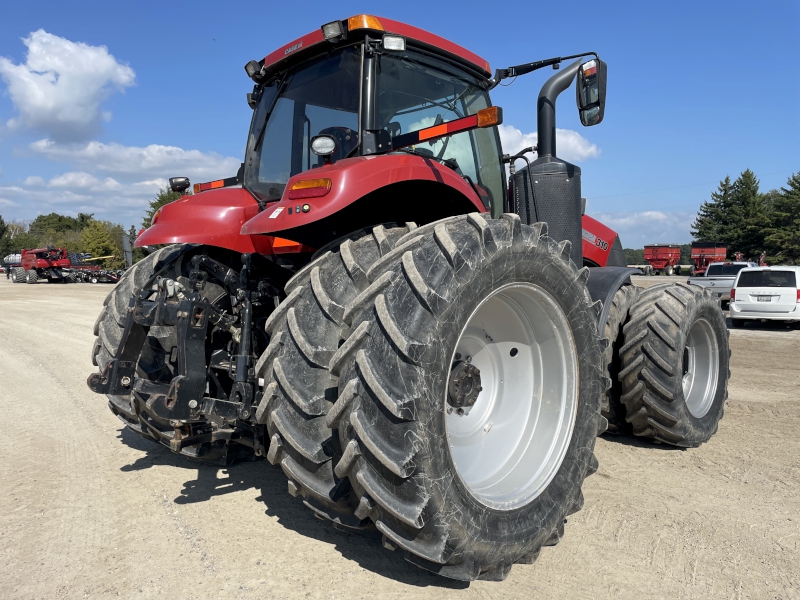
(351, 179)
(212, 218)
(597, 241)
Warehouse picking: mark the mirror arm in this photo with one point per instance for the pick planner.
(524, 69)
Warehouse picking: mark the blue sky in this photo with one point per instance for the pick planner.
(697, 91)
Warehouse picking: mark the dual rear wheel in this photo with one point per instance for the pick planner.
(447, 393)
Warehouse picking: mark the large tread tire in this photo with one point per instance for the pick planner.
(305, 331)
(611, 407)
(31, 277)
(393, 368)
(653, 362)
(154, 361)
(18, 276)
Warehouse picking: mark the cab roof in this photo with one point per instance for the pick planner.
(365, 24)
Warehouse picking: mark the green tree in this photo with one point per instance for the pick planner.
(97, 241)
(138, 253)
(634, 257)
(747, 234)
(163, 197)
(713, 217)
(783, 234)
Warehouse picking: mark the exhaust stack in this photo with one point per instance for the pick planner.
(550, 189)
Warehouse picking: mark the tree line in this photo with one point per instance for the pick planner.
(82, 234)
(747, 220)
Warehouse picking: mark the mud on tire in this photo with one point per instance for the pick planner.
(393, 371)
(305, 331)
(675, 365)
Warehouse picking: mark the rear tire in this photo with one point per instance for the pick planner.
(675, 365)
(678, 270)
(669, 271)
(424, 496)
(31, 277)
(611, 406)
(305, 331)
(18, 276)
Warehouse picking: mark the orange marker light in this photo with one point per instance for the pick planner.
(197, 188)
(309, 188)
(364, 22)
(492, 115)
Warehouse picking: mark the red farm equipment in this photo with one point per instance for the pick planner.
(48, 263)
(705, 253)
(373, 306)
(663, 258)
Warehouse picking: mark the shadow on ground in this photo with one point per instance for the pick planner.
(764, 325)
(365, 549)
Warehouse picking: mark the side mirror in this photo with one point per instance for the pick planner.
(591, 92)
(179, 184)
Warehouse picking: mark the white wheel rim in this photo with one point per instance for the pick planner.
(510, 444)
(700, 368)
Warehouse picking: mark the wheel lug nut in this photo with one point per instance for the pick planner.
(460, 412)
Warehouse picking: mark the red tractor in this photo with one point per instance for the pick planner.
(422, 345)
(42, 263)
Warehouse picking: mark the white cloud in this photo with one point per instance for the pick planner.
(570, 145)
(33, 181)
(61, 85)
(77, 191)
(153, 161)
(636, 229)
(84, 181)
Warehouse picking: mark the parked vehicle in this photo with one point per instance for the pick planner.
(766, 294)
(42, 263)
(705, 253)
(719, 278)
(374, 307)
(663, 258)
(10, 263)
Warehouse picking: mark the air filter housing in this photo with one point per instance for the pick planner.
(549, 190)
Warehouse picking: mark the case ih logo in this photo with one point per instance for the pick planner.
(297, 46)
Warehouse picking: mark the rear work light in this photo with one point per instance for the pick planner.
(309, 188)
(733, 294)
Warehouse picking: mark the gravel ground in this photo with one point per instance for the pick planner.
(88, 509)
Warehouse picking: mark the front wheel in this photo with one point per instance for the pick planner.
(669, 271)
(468, 396)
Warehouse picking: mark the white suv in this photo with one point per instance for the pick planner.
(771, 293)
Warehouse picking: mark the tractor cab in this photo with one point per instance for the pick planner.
(359, 93)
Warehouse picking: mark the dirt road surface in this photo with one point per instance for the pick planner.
(89, 510)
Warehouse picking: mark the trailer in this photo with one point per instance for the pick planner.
(663, 258)
(705, 253)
